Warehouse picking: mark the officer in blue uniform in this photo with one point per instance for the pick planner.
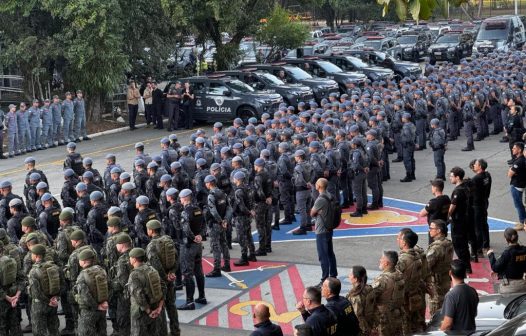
(34, 115)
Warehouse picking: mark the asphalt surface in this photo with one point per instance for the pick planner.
(349, 251)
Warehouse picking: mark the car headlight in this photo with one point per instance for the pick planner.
(408, 49)
(451, 49)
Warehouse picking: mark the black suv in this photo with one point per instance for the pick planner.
(452, 47)
(414, 45)
(351, 63)
(222, 98)
(260, 80)
(401, 68)
(290, 74)
(326, 69)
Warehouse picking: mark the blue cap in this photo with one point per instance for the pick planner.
(185, 193)
(239, 176)
(81, 186)
(225, 150)
(139, 144)
(30, 160)
(152, 165)
(142, 200)
(166, 178)
(299, 152)
(157, 158)
(165, 140)
(175, 165)
(435, 121)
(71, 145)
(200, 140)
(354, 128)
(95, 196)
(5, 184)
(87, 161)
(69, 172)
(139, 162)
(115, 170)
(259, 162)
(237, 145)
(172, 137)
(110, 156)
(128, 186)
(200, 162)
(125, 176)
(35, 176)
(46, 197)
(184, 149)
(171, 192)
(315, 144)
(210, 178)
(406, 115)
(41, 185)
(237, 158)
(88, 174)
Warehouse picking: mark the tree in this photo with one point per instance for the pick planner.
(417, 9)
(281, 33)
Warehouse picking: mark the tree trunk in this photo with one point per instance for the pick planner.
(481, 4)
(328, 13)
(95, 107)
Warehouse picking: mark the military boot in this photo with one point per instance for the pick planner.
(216, 273)
(252, 257)
(226, 268)
(243, 261)
(407, 178)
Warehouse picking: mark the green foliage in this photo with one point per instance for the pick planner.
(417, 9)
(280, 33)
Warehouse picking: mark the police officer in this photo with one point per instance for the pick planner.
(285, 171)
(468, 115)
(333, 167)
(511, 265)
(12, 287)
(192, 227)
(408, 147)
(11, 124)
(175, 231)
(34, 117)
(144, 215)
(219, 214)
(14, 224)
(168, 154)
(119, 274)
(56, 112)
(437, 142)
(242, 213)
(48, 219)
(83, 204)
(79, 111)
(359, 168)
(421, 114)
(7, 195)
(439, 255)
(140, 176)
(67, 118)
(321, 320)
(302, 183)
(96, 221)
(68, 193)
(73, 159)
(263, 186)
(180, 178)
(47, 125)
(87, 164)
(374, 179)
(341, 307)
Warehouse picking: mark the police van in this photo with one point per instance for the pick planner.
(500, 33)
(222, 98)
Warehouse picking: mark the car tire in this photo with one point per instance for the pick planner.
(245, 113)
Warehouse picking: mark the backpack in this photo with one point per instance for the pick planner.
(76, 163)
(154, 289)
(49, 276)
(336, 212)
(97, 281)
(8, 271)
(167, 253)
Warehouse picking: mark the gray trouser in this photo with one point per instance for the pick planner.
(468, 131)
(68, 130)
(12, 142)
(372, 182)
(359, 189)
(408, 154)
(24, 138)
(47, 137)
(56, 129)
(421, 132)
(35, 136)
(302, 203)
(80, 125)
(398, 144)
(438, 157)
(452, 123)
(285, 198)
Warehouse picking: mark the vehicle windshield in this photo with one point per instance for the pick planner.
(380, 56)
(239, 86)
(407, 39)
(376, 45)
(358, 63)
(493, 31)
(298, 73)
(271, 78)
(328, 67)
(515, 307)
(509, 327)
(450, 38)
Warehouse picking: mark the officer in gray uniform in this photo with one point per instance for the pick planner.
(24, 135)
(373, 175)
(263, 185)
(168, 154)
(127, 200)
(2, 122)
(83, 205)
(359, 168)
(34, 115)
(468, 115)
(285, 171)
(421, 113)
(219, 214)
(47, 125)
(67, 118)
(56, 111)
(11, 124)
(79, 112)
(408, 147)
(437, 142)
(144, 215)
(187, 161)
(242, 213)
(333, 168)
(302, 183)
(441, 108)
(48, 219)
(396, 128)
(68, 193)
(96, 221)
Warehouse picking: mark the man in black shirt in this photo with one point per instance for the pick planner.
(511, 264)
(517, 174)
(480, 196)
(458, 214)
(262, 325)
(438, 207)
(157, 106)
(322, 321)
(348, 324)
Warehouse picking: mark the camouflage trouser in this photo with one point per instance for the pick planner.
(66, 308)
(142, 324)
(263, 225)
(9, 319)
(171, 310)
(245, 235)
(92, 323)
(122, 315)
(439, 292)
(414, 320)
(44, 319)
(389, 323)
(74, 308)
(218, 244)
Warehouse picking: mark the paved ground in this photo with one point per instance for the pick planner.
(279, 278)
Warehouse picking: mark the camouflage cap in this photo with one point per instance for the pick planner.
(77, 235)
(28, 221)
(65, 215)
(153, 224)
(38, 249)
(123, 238)
(3, 233)
(113, 221)
(137, 253)
(86, 254)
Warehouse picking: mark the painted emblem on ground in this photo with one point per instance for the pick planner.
(395, 215)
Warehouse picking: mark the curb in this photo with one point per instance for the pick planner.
(115, 130)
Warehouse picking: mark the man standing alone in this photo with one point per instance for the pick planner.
(133, 104)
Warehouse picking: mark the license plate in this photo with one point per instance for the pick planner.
(438, 53)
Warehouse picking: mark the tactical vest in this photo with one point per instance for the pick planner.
(167, 253)
(397, 296)
(195, 218)
(8, 271)
(73, 269)
(221, 202)
(97, 282)
(76, 163)
(53, 222)
(48, 274)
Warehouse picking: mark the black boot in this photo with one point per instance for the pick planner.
(407, 178)
(243, 261)
(356, 214)
(252, 257)
(216, 273)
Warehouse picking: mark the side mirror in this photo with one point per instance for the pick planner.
(227, 93)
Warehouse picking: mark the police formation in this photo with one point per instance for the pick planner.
(123, 242)
(55, 122)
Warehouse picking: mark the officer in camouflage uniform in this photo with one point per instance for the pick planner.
(439, 255)
(146, 306)
(360, 299)
(410, 265)
(10, 291)
(9, 249)
(91, 296)
(118, 277)
(109, 256)
(191, 252)
(44, 318)
(388, 295)
(437, 142)
(144, 215)
(219, 214)
(96, 221)
(301, 181)
(242, 214)
(158, 254)
(263, 185)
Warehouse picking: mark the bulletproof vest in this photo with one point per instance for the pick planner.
(172, 155)
(518, 257)
(167, 252)
(307, 171)
(97, 282)
(8, 271)
(208, 155)
(221, 202)
(272, 169)
(53, 222)
(195, 218)
(75, 160)
(102, 218)
(48, 274)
